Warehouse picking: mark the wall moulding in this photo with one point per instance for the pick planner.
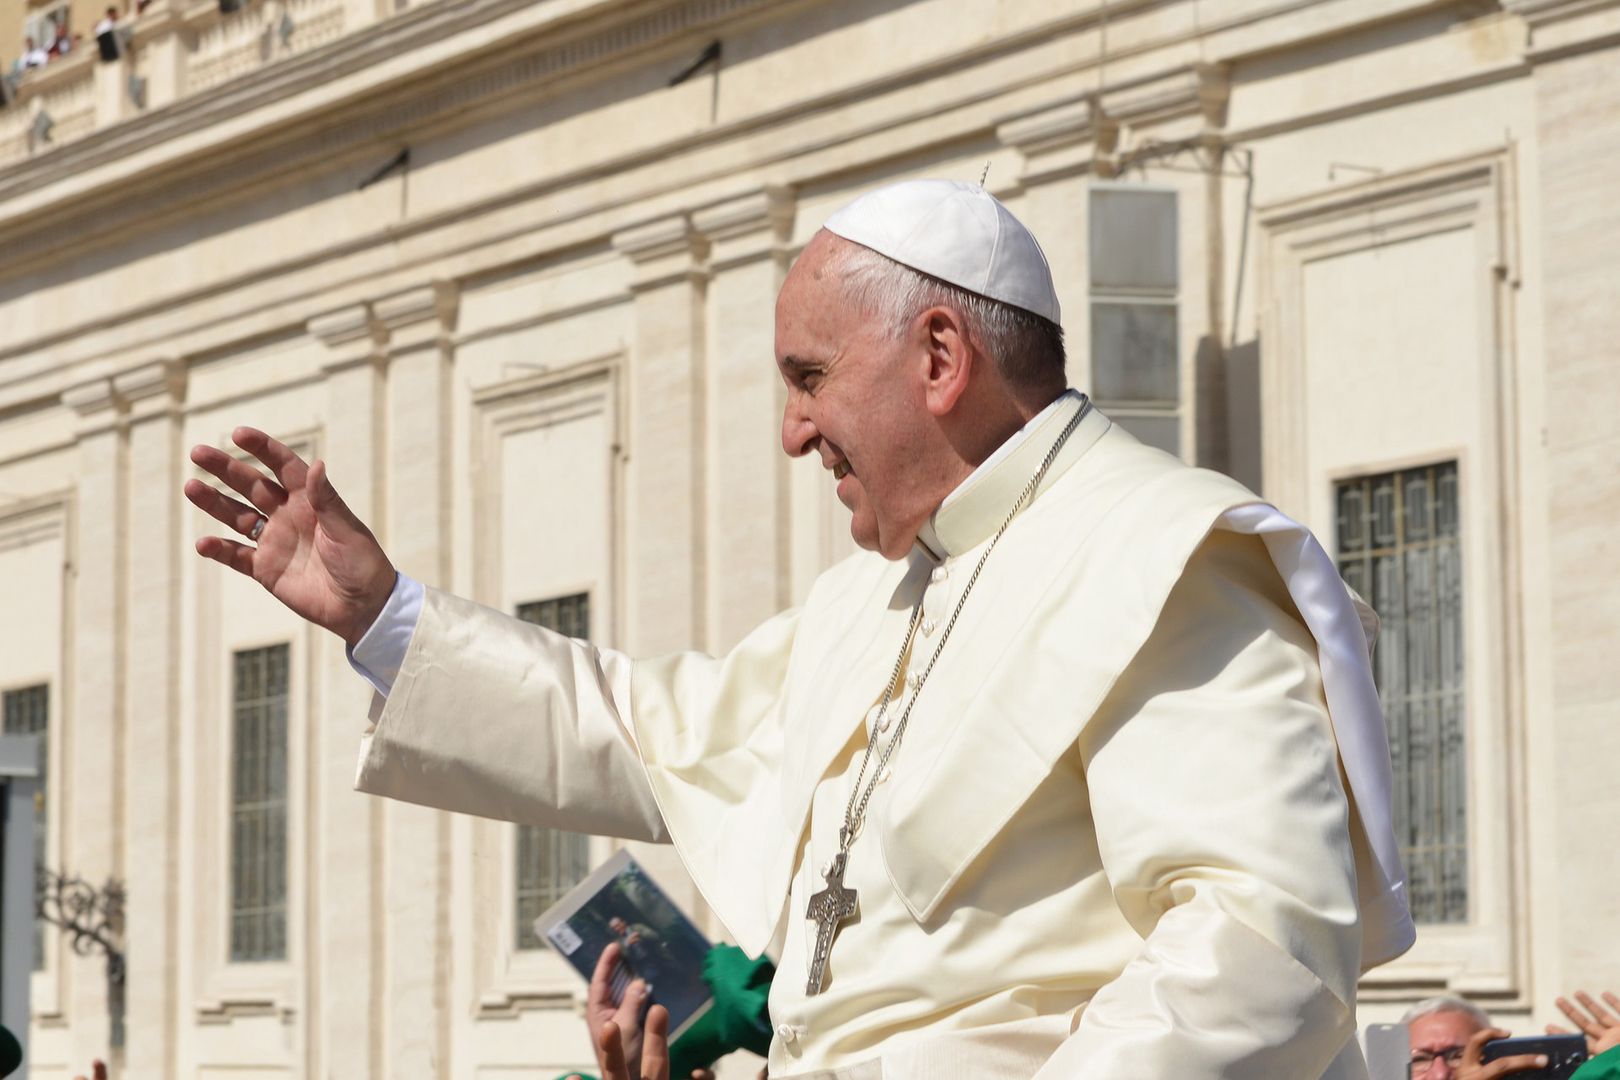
(26, 521)
(508, 980)
(1473, 196)
(31, 520)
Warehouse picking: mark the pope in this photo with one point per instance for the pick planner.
(1077, 770)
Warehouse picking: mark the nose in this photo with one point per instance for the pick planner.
(799, 433)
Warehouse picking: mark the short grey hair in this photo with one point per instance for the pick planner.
(1027, 348)
(1431, 1006)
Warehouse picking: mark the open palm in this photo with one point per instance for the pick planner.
(311, 552)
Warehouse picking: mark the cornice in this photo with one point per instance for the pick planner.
(127, 212)
(585, 35)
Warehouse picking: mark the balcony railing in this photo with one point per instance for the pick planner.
(172, 50)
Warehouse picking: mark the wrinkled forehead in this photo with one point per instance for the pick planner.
(816, 267)
(1446, 1027)
(813, 291)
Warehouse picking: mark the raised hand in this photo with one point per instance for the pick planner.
(1472, 1068)
(654, 1055)
(624, 1017)
(1600, 1026)
(311, 552)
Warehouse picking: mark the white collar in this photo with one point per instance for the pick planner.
(971, 512)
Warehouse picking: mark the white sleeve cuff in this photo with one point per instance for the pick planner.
(380, 652)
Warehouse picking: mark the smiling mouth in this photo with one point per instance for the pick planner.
(840, 470)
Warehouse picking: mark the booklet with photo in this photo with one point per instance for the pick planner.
(657, 942)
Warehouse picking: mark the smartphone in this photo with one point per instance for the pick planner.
(1389, 1052)
(1565, 1053)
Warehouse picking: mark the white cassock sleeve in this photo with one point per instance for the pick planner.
(493, 716)
(1224, 829)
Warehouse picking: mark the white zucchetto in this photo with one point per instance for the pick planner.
(958, 233)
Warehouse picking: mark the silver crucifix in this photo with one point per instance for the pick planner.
(829, 907)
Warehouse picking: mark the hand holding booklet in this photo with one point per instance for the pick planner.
(619, 902)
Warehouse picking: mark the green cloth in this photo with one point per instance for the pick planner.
(1606, 1066)
(737, 1020)
(10, 1052)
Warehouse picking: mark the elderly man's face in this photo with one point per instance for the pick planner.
(855, 400)
(1437, 1040)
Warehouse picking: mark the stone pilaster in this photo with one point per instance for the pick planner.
(668, 483)
(346, 903)
(153, 394)
(1575, 50)
(416, 327)
(92, 736)
(748, 520)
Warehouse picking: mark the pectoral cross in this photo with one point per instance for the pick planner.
(829, 907)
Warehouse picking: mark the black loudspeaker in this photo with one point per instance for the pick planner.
(11, 1054)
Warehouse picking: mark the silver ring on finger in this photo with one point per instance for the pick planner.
(258, 527)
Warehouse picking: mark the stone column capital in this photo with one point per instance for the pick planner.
(155, 388)
(664, 251)
(91, 397)
(747, 228)
(425, 315)
(352, 334)
(1559, 28)
(1054, 141)
(438, 300)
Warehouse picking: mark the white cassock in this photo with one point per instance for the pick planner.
(1115, 842)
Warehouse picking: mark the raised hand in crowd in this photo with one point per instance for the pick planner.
(653, 1049)
(1471, 1067)
(625, 1050)
(311, 552)
(1600, 1026)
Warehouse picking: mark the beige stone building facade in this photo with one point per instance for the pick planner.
(509, 267)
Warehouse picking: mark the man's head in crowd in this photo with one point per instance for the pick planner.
(1438, 1029)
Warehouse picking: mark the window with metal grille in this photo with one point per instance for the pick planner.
(259, 805)
(1135, 275)
(550, 861)
(27, 711)
(1398, 548)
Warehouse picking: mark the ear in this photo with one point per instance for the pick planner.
(948, 356)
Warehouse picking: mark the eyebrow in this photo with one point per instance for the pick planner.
(799, 363)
